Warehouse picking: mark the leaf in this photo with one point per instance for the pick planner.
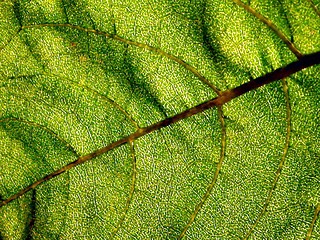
(96, 102)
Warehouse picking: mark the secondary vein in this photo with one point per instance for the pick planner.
(133, 43)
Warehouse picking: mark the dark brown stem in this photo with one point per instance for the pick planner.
(226, 96)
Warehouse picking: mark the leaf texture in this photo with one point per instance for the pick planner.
(77, 76)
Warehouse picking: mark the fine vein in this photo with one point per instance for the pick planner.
(104, 97)
(131, 192)
(224, 97)
(281, 164)
(215, 176)
(37, 125)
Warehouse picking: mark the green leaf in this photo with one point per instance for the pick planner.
(90, 99)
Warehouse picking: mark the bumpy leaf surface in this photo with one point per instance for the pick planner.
(79, 75)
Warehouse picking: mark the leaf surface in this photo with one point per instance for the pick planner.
(77, 76)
